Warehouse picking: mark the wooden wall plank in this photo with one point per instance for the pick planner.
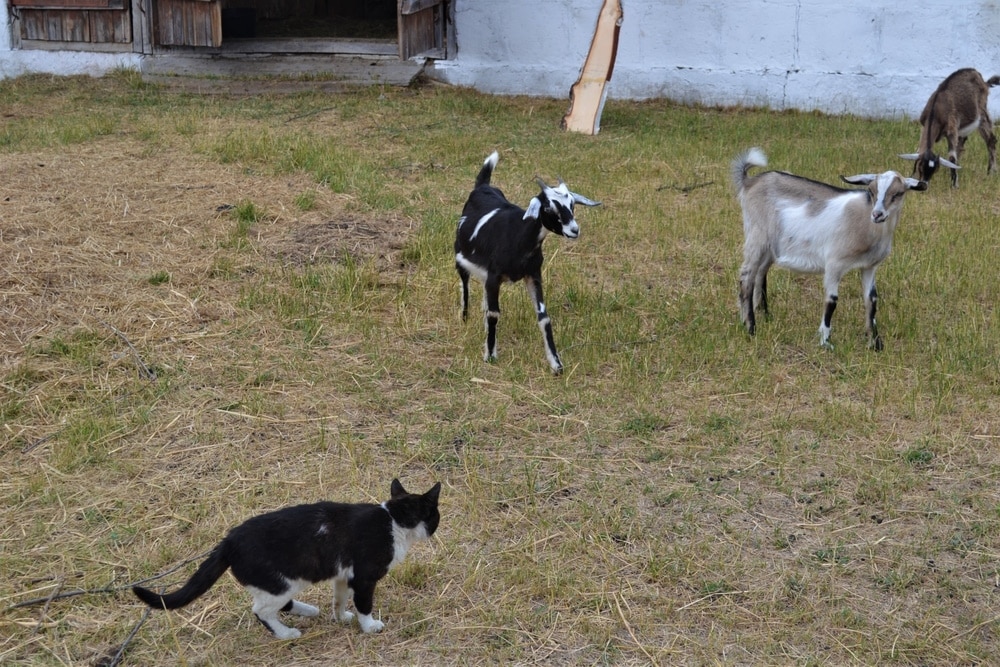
(71, 4)
(188, 23)
(81, 26)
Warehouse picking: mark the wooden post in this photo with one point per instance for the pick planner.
(588, 93)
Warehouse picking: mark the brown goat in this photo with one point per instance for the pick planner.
(954, 111)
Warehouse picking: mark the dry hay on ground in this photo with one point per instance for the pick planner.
(84, 228)
(133, 250)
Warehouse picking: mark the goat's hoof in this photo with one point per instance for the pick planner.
(826, 345)
(876, 345)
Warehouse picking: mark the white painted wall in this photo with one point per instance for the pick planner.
(864, 57)
(879, 59)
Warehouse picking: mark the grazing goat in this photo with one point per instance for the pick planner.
(498, 241)
(813, 227)
(954, 111)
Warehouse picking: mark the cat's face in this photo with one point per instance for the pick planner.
(416, 508)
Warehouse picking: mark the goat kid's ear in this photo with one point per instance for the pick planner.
(580, 199)
(860, 179)
(948, 163)
(914, 184)
(909, 156)
(534, 209)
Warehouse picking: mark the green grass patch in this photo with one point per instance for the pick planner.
(682, 494)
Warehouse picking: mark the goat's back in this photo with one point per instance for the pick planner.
(781, 185)
(764, 195)
(961, 95)
(485, 198)
(777, 204)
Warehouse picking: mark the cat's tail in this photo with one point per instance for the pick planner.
(204, 577)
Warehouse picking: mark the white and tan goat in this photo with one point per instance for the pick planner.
(954, 111)
(813, 227)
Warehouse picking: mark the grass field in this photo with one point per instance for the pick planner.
(211, 307)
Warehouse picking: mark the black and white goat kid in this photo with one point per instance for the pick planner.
(812, 227)
(498, 241)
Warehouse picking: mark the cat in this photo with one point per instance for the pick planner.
(278, 554)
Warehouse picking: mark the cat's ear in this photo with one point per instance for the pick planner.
(434, 493)
(396, 489)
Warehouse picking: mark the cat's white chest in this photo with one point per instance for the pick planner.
(402, 539)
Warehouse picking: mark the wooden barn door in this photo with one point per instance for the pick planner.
(188, 22)
(421, 28)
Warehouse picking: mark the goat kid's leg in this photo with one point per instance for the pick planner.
(831, 285)
(464, 275)
(753, 284)
(871, 305)
(491, 301)
(955, 155)
(760, 289)
(746, 304)
(986, 130)
(762, 306)
(534, 286)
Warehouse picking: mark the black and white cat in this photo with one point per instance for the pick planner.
(278, 554)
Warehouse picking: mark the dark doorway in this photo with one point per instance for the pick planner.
(304, 19)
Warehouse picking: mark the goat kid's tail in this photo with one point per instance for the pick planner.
(199, 583)
(487, 171)
(753, 157)
(993, 81)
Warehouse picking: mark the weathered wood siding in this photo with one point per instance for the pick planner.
(188, 23)
(92, 26)
(421, 27)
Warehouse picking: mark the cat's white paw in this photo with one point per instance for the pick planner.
(303, 609)
(345, 616)
(369, 624)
